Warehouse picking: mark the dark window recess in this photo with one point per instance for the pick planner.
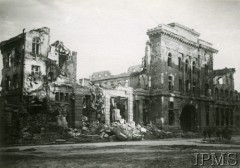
(194, 88)
(66, 96)
(15, 81)
(171, 117)
(179, 63)
(222, 117)
(221, 94)
(186, 66)
(35, 70)
(207, 114)
(36, 46)
(7, 83)
(226, 94)
(57, 96)
(180, 85)
(227, 116)
(187, 86)
(170, 59)
(206, 69)
(170, 83)
(216, 93)
(61, 96)
(17, 57)
(231, 117)
(217, 117)
(7, 60)
(194, 67)
(206, 89)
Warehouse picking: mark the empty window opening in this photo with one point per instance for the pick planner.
(36, 46)
(194, 87)
(220, 80)
(180, 85)
(187, 85)
(216, 93)
(222, 117)
(206, 89)
(186, 66)
(170, 83)
(194, 67)
(207, 114)
(170, 59)
(217, 117)
(179, 63)
(35, 70)
(206, 69)
(171, 118)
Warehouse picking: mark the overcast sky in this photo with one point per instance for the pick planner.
(111, 35)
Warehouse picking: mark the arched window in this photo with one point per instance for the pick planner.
(36, 46)
(170, 59)
(194, 67)
(186, 66)
(170, 83)
(220, 81)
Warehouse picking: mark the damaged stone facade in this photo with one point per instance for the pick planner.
(175, 86)
(107, 80)
(226, 99)
(37, 77)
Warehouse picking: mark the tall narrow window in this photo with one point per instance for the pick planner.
(180, 85)
(222, 117)
(231, 117)
(36, 46)
(171, 118)
(206, 69)
(187, 86)
(207, 114)
(170, 83)
(217, 117)
(194, 67)
(170, 59)
(194, 87)
(186, 66)
(57, 96)
(221, 94)
(226, 94)
(206, 89)
(216, 93)
(179, 63)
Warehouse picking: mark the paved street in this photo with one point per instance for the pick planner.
(157, 153)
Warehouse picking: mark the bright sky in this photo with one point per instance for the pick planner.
(111, 35)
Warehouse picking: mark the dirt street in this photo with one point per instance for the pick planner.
(161, 153)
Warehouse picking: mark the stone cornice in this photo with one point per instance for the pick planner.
(180, 38)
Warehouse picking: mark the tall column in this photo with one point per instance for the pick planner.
(78, 110)
(130, 107)
(107, 109)
(140, 111)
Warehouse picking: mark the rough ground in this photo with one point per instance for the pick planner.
(161, 153)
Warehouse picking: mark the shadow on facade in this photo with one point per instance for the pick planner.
(188, 118)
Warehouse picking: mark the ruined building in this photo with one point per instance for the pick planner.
(176, 86)
(37, 77)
